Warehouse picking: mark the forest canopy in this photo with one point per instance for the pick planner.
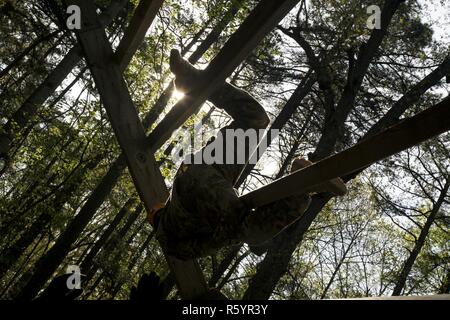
(327, 78)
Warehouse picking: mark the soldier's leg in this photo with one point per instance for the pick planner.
(267, 221)
(246, 112)
(203, 215)
(215, 217)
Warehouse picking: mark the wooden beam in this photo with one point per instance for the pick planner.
(119, 106)
(409, 132)
(257, 25)
(142, 19)
(130, 134)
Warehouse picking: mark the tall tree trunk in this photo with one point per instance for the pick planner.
(338, 267)
(22, 116)
(112, 244)
(276, 261)
(100, 243)
(302, 90)
(144, 245)
(94, 286)
(290, 156)
(23, 265)
(27, 50)
(216, 31)
(47, 264)
(223, 265)
(406, 269)
(10, 255)
(334, 126)
(233, 268)
(445, 287)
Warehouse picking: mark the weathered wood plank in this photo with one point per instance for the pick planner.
(119, 106)
(409, 132)
(188, 274)
(142, 19)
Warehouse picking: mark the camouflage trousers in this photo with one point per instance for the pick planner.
(204, 212)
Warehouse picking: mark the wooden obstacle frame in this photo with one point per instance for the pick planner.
(107, 69)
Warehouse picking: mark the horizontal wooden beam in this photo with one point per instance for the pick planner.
(257, 25)
(423, 126)
(141, 21)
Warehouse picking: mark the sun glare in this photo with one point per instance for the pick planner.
(177, 94)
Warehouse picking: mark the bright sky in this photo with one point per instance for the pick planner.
(437, 13)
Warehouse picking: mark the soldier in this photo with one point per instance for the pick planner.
(204, 212)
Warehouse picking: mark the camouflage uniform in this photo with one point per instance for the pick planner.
(204, 212)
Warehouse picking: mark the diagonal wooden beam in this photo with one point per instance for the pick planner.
(130, 133)
(119, 105)
(409, 132)
(264, 18)
(141, 21)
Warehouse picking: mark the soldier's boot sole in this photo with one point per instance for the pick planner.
(336, 186)
(187, 76)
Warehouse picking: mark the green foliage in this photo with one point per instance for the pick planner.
(355, 247)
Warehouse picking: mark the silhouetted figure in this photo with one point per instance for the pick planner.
(149, 288)
(58, 290)
(204, 212)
